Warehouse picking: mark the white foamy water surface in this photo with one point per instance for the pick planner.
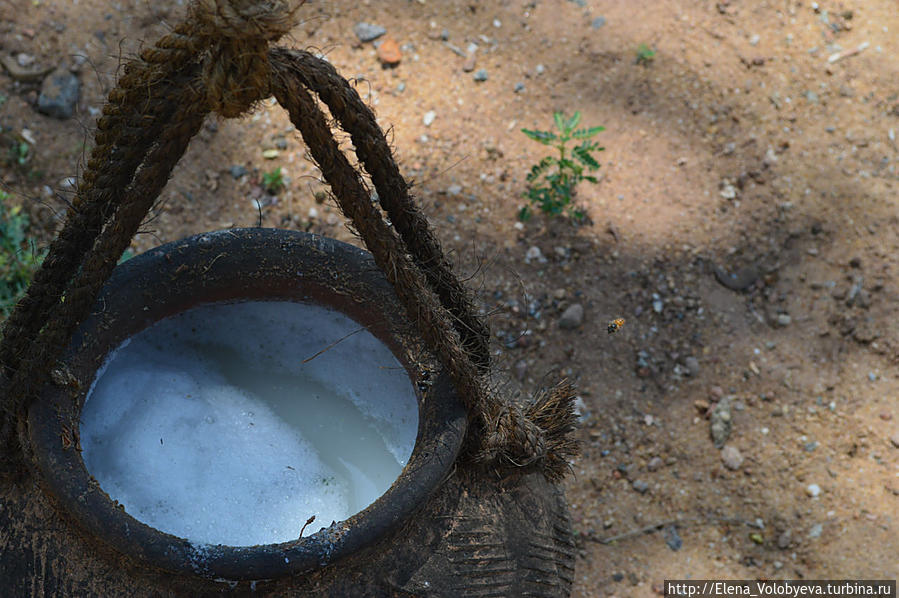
(209, 426)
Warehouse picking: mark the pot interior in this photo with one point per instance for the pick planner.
(235, 423)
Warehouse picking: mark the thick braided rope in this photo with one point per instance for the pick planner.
(374, 153)
(498, 426)
(221, 49)
(131, 120)
(132, 117)
(65, 316)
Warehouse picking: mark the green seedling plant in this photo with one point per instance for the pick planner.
(19, 257)
(273, 181)
(645, 55)
(552, 181)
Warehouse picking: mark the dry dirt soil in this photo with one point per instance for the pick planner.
(745, 226)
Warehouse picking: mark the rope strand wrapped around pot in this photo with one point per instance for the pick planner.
(219, 60)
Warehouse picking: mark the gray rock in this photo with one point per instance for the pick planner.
(732, 457)
(641, 486)
(480, 75)
(367, 32)
(519, 87)
(572, 317)
(783, 319)
(815, 531)
(598, 22)
(59, 94)
(721, 422)
(237, 170)
(654, 464)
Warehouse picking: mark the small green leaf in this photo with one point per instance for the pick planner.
(560, 120)
(572, 122)
(524, 214)
(544, 137)
(584, 156)
(586, 133)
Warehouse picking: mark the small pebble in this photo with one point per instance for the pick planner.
(580, 410)
(732, 457)
(783, 320)
(312, 214)
(720, 422)
(519, 87)
(428, 118)
(367, 32)
(813, 490)
(815, 531)
(654, 464)
(640, 486)
(784, 539)
(572, 317)
(672, 538)
(59, 94)
(598, 22)
(454, 189)
(534, 253)
(389, 52)
(481, 75)
(237, 171)
(692, 365)
(24, 60)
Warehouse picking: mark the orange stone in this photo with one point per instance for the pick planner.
(389, 52)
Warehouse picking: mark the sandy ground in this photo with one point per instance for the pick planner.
(744, 226)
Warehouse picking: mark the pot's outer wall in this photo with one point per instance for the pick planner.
(478, 533)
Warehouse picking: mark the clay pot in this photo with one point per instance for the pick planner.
(445, 527)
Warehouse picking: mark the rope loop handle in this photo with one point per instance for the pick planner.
(220, 60)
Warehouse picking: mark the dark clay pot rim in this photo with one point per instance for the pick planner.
(233, 265)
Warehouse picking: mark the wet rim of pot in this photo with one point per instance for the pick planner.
(232, 265)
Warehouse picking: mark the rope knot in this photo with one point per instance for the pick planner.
(238, 33)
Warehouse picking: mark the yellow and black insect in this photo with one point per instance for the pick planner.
(615, 325)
